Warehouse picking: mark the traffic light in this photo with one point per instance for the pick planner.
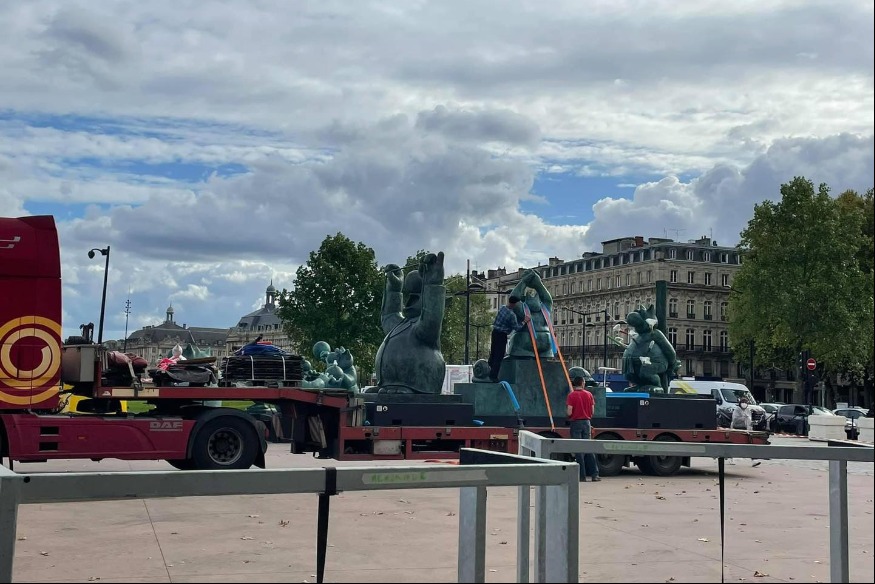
(802, 364)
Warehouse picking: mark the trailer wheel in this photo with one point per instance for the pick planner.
(225, 443)
(610, 465)
(661, 466)
(560, 456)
(182, 464)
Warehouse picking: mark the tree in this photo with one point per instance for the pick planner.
(800, 285)
(453, 334)
(859, 371)
(336, 298)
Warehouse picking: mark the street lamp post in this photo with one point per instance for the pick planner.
(477, 328)
(467, 309)
(127, 315)
(585, 314)
(91, 254)
(472, 288)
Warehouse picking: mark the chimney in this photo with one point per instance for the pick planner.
(639, 241)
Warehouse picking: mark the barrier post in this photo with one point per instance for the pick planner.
(839, 567)
(472, 534)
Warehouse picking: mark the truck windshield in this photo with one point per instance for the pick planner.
(733, 395)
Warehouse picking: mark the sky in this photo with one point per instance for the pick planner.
(214, 149)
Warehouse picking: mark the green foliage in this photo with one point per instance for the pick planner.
(453, 332)
(337, 298)
(801, 285)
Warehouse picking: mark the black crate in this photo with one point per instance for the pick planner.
(419, 414)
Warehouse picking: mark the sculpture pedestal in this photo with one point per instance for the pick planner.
(494, 406)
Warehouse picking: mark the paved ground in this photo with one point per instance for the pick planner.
(633, 529)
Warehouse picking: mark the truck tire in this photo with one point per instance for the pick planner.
(661, 466)
(182, 464)
(226, 442)
(610, 465)
(561, 457)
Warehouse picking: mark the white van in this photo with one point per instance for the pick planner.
(727, 395)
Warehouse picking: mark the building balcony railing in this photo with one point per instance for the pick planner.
(707, 317)
(711, 349)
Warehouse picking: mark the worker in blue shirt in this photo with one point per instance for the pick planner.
(506, 322)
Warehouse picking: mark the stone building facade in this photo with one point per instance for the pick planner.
(596, 291)
(155, 342)
(263, 322)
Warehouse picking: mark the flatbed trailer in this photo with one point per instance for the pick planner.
(183, 427)
(190, 435)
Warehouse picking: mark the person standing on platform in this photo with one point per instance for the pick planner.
(580, 405)
(505, 322)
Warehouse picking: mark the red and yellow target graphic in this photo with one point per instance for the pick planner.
(30, 359)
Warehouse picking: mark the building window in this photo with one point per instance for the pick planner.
(691, 277)
(724, 308)
(706, 340)
(673, 276)
(571, 288)
(564, 287)
(707, 367)
(589, 285)
(724, 342)
(690, 254)
(649, 276)
(707, 278)
(673, 308)
(598, 284)
(689, 367)
(691, 309)
(724, 280)
(629, 279)
(724, 369)
(706, 313)
(673, 336)
(706, 256)
(627, 308)
(672, 254)
(616, 310)
(617, 279)
(691, 339)
(724, 258)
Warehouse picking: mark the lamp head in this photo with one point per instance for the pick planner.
(91, 254)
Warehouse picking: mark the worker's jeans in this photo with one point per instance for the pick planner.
(587, 462)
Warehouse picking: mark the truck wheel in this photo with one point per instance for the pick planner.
(610, 465)
(182, 464)
(561, 457)
(661, 466)
(225, 443)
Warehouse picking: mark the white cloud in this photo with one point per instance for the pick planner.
(407, 125)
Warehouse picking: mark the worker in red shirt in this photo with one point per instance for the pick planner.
(579, 408)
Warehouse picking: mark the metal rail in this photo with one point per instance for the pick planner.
(838, 456)
(557, 514)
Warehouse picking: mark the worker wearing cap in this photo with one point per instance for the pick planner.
(505, 323)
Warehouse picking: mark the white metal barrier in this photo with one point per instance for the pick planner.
(838, 456)
(557, 512)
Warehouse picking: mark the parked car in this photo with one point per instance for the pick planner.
(851, 414)
(771, 410)
(793, 418)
